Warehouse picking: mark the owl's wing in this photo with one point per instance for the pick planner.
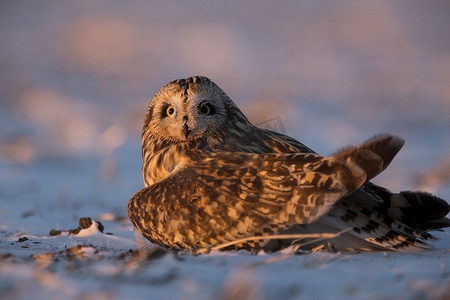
(281, 143)
(221, 196)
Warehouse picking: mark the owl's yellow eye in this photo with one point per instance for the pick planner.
(204, 109)
(170, 111)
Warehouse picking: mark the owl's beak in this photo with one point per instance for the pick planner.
(186, 130)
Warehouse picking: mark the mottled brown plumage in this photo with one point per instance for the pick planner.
(212, 177)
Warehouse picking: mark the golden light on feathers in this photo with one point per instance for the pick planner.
(212, 177)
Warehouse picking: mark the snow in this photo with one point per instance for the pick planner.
(103, 266)
(75, 81)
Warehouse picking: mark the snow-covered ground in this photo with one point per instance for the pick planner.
(52, 195)
(75, 80)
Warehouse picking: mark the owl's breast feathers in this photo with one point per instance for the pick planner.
(162, 156)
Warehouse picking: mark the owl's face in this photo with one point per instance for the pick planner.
(187, 110)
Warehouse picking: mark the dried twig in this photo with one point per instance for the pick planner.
(298, 246)
(316, 236)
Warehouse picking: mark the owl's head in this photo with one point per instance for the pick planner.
(189, 109)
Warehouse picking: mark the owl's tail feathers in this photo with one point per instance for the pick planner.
(374, 155)
(419, 210)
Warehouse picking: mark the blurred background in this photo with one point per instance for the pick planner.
(76, 78)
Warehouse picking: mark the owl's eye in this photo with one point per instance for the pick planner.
(206, 109)
(170, 110)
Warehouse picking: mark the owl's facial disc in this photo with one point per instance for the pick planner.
(198, 119)
(190, 118)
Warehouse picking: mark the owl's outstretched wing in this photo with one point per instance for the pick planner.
(217, 197)
(379, 218)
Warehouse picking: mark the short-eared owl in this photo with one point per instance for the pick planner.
(212, 177)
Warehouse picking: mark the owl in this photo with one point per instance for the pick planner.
(211, 177)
